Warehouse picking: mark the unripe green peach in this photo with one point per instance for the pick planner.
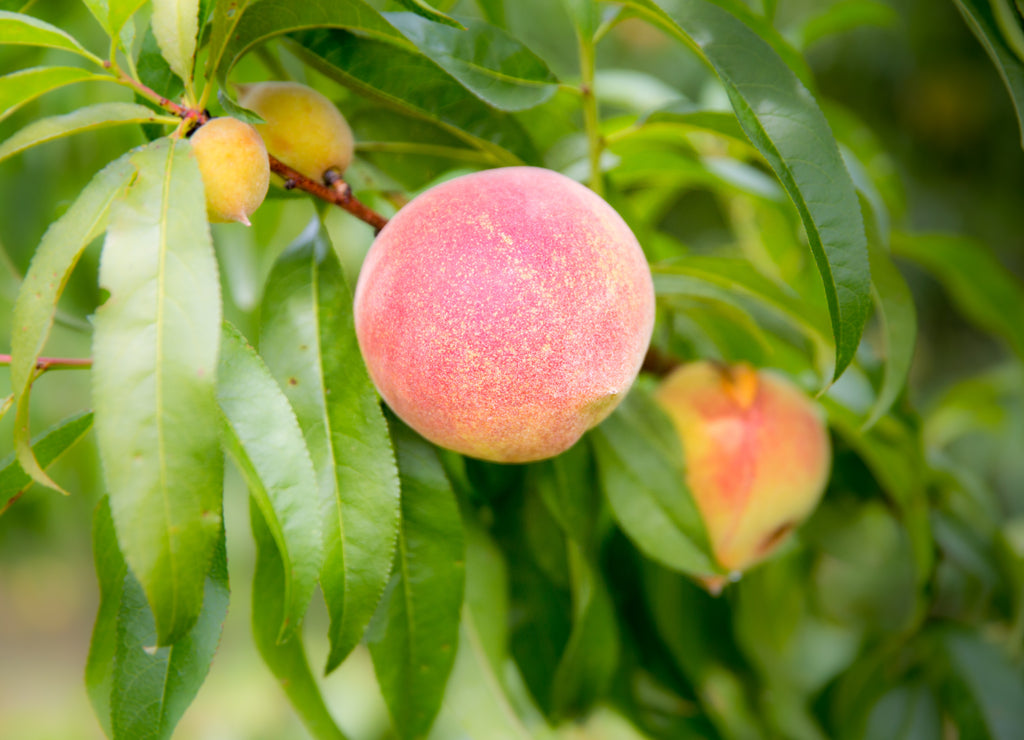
(303, 128)
(502, 314)
(757, 455)
(234, 166)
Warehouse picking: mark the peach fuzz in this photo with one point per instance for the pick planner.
(502, 314)
(757, 455)
(235, 169)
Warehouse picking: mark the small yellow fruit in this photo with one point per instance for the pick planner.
(235, 169)
(757, 455)
(303, 128)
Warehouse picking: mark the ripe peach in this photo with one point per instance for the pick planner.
(757, 455)
(303, 128)
(234, 166)
(503, 313)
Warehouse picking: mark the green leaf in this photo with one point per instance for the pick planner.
(641, 471)
(263, 437)
(36, 304)
(787, 127)
(155, 350)
(137, 689)
(905, 712)
(226, 16)
(307, 339)
(567, 486)
(587, 666)
(16, 28)
(46, 448)
(895, 307)
(984, 290)
(119, 13)
(493, 11)
(584, 15)
(420, 8)
(488, 62)
(175, 24)
(994, 683)
(286, 660)
(100, 115)
(979, 18)
(26, 85)
(846, 15)
(417, 87)
(414, 636)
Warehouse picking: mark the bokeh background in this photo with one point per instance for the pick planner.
(911, 71)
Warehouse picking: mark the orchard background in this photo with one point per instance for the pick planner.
(771, 156)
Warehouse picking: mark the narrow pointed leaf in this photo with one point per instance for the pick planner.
(263, 437)
(26, 85)
(46, 448)
(16, 28)
(226, 16)
(137, 689)
(155, 350)
(175, 24)
(978, 14)
(120, 11)
(641, 471)
(36, 304)
(286, 660)
(307, 339)
(416, 86)
(422, 9)
(100, 115)
(414, 636)
(787, 127)
(488, 62)
(983, 289)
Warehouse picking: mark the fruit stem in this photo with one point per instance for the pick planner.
(335, 191)
(590, 113)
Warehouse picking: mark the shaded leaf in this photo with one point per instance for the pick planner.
(846, 15)
(36, 305)
(307, 339)
(787, 127)
(46, 448)
(905, 712)
(26, 85)
(286, 660)
(984, 290)
(422, 9)
(417, 87)
(993, 682)
(226, 16)
(488, 62)
(414, 636)
(262, 435)
(641, 471)
(91, 117)
(16, 28)
(979, 18)
(137, 689)
(155, 350)
(175, 25)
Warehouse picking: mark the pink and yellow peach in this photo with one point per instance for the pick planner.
(502, 314)
(757, 455)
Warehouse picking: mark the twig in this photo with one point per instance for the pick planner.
(54, 363)
(337, 192)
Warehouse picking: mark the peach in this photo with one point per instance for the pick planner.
(503, 313)
(234, 166)
(303, 128)
(757, 455)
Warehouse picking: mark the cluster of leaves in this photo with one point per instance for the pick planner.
(525, 596)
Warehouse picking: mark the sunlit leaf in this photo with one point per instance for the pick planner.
(155, 351)
(414, 636)
(263, 437)
(640, 466)
(307, 339)
(175, 24)
(16, 28)
(488, 62)
(26, 85)
(785, 124)
(100, 115)
(138, 689)
(36, 306)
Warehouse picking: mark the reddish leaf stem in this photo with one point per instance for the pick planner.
(54, 363)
